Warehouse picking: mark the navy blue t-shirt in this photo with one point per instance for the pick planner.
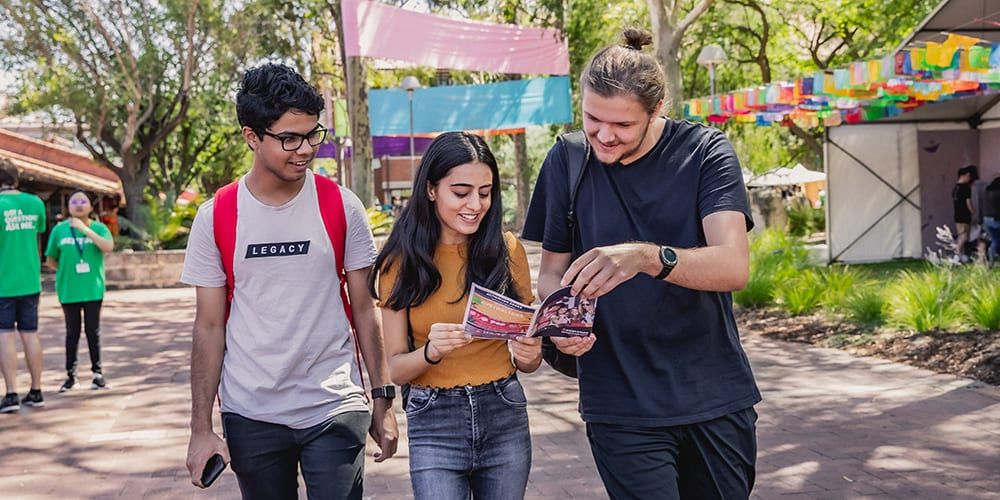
(665, 355)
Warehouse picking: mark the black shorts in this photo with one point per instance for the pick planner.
(713, 460)
(19, 313)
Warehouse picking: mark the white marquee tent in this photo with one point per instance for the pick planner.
(784, 176)
(889, 182)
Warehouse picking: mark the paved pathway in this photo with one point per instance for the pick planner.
(831, 425)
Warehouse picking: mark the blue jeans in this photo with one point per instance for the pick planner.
(469, 441)
(992, 226)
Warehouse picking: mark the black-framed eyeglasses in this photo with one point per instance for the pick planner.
(291, 141)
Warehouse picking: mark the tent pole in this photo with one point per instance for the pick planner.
(826, 201)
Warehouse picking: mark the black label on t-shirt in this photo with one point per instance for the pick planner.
(277, 249)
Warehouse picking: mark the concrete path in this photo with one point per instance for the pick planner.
(831, 425)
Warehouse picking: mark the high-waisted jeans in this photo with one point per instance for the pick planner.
(471, 440)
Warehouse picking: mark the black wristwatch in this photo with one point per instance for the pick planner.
(386, 392)
(668, 258)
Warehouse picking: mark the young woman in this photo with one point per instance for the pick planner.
(466, 413)
(76, 251)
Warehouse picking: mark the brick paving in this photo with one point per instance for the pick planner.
(831, 426)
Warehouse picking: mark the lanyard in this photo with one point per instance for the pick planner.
(77, 243)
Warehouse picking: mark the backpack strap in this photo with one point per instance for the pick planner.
(224, 215)
(577, 156)
(331, 209)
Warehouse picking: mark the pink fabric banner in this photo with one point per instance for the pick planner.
(383, 31)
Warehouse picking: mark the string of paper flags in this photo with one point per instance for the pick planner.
(961, 66)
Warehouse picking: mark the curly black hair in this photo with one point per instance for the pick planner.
(268, 91)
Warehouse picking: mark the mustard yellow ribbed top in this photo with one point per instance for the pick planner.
(482, 360)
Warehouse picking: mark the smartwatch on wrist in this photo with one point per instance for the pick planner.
(668, 259)
(385, 392)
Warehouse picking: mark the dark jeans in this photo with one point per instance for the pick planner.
(469, 441)
(707, 460)
(266, 457)
(91, 325)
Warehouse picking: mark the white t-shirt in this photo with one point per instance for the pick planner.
(290, 357)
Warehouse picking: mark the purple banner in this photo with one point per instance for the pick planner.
(383, 146)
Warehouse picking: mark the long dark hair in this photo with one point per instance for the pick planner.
(415, 235)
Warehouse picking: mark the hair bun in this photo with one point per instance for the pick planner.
(636, 38)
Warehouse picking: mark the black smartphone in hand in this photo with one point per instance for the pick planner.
(213, 468)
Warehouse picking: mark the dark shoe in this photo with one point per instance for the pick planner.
(98, 382)
(68, 384)
(11, 403)
(34, 399)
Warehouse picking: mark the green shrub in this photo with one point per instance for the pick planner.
(775, 257)
(984, 304)
(927, 300)
(866, 305)
(837, 283)
(802, 293)
(759, 289)
(804, 220)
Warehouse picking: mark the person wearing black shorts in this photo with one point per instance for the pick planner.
(22, 218)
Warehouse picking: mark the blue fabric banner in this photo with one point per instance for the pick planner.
(504, 105)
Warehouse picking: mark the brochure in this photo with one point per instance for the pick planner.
(490, 315)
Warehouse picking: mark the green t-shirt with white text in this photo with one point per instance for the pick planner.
(22, 217)
(74, 286)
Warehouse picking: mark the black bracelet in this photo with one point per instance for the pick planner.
(427, 358)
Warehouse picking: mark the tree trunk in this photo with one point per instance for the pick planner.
(667, 55)
(674, 105)
(361, 133)
(134, 179)
(521, 180)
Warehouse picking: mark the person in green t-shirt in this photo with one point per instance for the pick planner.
(22, 217)
(76, 251)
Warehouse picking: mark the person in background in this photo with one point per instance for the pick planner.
(466, 413)
(110, 217)
(961, 198)
(76, 251)
(22, 219)
(991, 217)
(977, 192)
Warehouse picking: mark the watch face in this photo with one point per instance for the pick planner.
(668, 256)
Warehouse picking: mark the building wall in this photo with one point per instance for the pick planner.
(393, 177)
(989, 154)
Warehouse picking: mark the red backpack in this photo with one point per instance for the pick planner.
(331, 209)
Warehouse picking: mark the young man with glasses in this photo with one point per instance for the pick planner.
(282, 357)
(22, 218)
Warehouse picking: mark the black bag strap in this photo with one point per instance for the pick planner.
(577, 157)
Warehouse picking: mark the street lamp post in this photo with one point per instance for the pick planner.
(711, 56)
(410, 84)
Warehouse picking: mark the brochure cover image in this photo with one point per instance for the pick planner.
(491, 315)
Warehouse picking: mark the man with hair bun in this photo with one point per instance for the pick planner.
(658, 232)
